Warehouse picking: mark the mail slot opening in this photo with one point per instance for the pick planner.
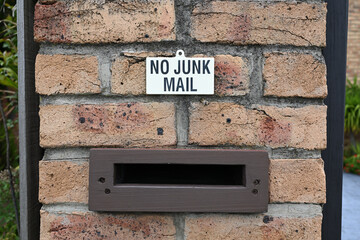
(180, 174)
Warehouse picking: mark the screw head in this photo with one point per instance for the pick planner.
(102, 180)
(107, 191)
(255, 191)
(257, 181)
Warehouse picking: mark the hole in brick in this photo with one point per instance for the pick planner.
(160, 131)
(187, 174)
(267, 219)
(228, 120)
(146, 35)
(82, 120)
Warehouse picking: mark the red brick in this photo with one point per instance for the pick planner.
(233, 124)
(106, 22)
(294, 75)
(63, 181)
(66, 74)
(96, 226)
(122, 125)
(252, 227)
(297, 180)
(299, 24)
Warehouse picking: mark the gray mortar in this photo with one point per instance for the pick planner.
(67, 154)
(104, 73)
(276, 210)
(179, 222)
(182, 122)
(83, 154)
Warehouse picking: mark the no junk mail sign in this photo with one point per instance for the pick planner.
(179, 75)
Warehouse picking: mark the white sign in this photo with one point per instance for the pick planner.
(180, 75)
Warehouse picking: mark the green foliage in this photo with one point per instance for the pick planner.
(7, 214)
(8, 81)
(352, 106)
(352, 163)
(9, 101)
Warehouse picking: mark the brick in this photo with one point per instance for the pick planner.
(63, 181)
(87, 225)
(232, 74)
(128, 73)
(233, 124)
(299, 24)
(307, 178)
(294, 75)
(253, 226)
(66, 74)
(121, 125)
(118, 21)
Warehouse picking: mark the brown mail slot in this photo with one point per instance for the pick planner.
(181, 180)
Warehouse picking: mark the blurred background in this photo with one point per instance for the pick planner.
(351, 177)
(8, 100)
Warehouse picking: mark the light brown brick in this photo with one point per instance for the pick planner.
(96, 226)
(297, 180)
(128, 73)
(122, 125)
(232, 74)
(294, 75)
(73, 74)
(118, 21)
(299, 24)
(233, 124)
(63, 181)
(253, 226)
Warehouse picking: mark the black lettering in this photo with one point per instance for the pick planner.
(197, 67)
(154, 67)
(166, 65)
(180, 85)
(178, 70)
(192, 87)
(189, 67)
(205, 66)
(187, 84)
(169, 86)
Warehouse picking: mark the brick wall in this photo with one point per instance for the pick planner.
(353, 51)
(270, 82)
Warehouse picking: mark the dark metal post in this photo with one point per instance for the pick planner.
(30, 152)
(335, 57)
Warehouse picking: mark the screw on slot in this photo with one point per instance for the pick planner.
(107, 191)
(102, 180)
(255, 191)
(257, 181)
